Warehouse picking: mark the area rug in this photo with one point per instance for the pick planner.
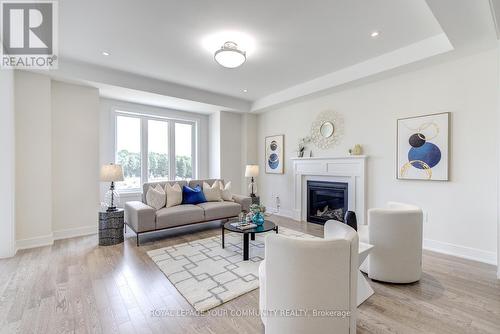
(207, 275)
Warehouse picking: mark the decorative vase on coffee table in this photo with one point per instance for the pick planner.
(258, 219)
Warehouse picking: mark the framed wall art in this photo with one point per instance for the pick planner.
(423, 147)
(274, 154)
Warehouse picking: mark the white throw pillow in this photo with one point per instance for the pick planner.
(174, 195)
(226, 192)
(155, 197)
(212, 193)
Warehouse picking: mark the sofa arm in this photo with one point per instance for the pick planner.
(244, 201)
(139, 216)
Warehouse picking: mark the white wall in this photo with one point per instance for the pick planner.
(462, 213)
(33, 130)
(7, 167)
(75, 159)
(107, 135)
(214, 145)
(249, 148)
(230, 149)
(57, 160)
(498, 171)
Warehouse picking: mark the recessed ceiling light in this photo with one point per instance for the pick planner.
(104, 53)
(245, 90)
(230, 56)
(374, 34)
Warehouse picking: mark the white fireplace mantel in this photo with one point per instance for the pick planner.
(348, 169)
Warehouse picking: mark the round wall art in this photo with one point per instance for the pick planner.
(327, 130)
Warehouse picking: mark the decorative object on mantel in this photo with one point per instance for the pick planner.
(422, 147)
(111, 173)
(328, 129)
(274, 154)
(302, 146)
(252, 171)
(356, 150)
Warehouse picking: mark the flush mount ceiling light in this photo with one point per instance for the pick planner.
(375, 34)
(230, 56)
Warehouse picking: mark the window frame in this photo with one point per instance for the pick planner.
(171, 121)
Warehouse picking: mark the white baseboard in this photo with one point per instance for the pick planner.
(281, 212)
(44, 240)
(48, 240)
(75, 232)
(461, 251)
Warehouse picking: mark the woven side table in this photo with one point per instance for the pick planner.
(110, 228)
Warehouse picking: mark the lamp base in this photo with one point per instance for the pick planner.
(111, 209)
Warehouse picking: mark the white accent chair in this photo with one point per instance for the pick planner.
(310, 274)
(396, 234)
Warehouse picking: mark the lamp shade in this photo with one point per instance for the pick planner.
(111, 173)
(252, 171)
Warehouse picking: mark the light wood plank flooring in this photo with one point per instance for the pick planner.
(76, 286)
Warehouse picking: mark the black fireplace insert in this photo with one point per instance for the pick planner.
(326, 200)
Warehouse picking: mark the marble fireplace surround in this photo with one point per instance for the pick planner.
(350, 169)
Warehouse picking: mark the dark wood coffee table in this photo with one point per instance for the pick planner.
(266, 227)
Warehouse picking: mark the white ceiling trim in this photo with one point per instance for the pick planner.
(423, 49)
(102, 76)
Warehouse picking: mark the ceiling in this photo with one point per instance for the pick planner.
(289, 42)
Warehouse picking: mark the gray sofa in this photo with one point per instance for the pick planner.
(142, 218)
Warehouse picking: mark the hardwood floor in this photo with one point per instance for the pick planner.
(76, 286)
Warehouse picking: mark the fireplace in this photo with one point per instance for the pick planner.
(326, 200)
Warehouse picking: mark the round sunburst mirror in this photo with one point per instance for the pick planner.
(327, 130)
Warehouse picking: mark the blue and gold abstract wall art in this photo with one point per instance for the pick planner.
(422, 147)
(274, 154)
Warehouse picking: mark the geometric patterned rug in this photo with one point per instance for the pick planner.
(207, 275)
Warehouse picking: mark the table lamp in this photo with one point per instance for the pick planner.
(252, 171)
(111, 173)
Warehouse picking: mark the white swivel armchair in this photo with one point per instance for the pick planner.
(310, 274)
(396, 234)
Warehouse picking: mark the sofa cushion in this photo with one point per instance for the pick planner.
(212, 192)
(155, 197)
(179, 215)
(226, 191)
(219, 210)
(146, 186)
(192, 195)
(174, 195)
(194, 183)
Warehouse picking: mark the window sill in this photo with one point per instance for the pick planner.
(131, 192)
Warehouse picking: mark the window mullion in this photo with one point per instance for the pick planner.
(194, 153)
(171, 149)
(144, 151)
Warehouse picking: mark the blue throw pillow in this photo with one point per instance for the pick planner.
(192, 195)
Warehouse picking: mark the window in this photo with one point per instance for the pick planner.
(183, 151)
(128, 151)
(157, 150)
(148, 146)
